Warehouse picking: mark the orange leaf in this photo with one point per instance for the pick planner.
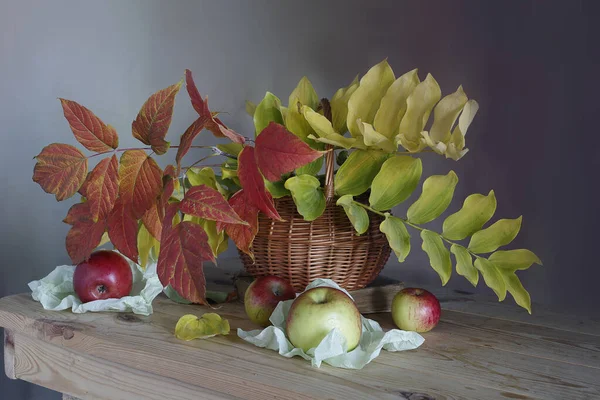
(253, 184)
(123, 228)
(84, 235)
(205, 202)
(186, 139)
(201, 106)
(89, 130)
(242, 235)
(183, 250)
(141, 181)
(61, 169)
(154, 119)
(152, 221)
(279, 152)
(102, 187)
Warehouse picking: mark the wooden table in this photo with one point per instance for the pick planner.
(481, 349)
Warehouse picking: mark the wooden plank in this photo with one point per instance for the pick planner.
(375, 298)
(67, 397)
(229, 363)
(9, 354)
(89, 378)
(534, 340)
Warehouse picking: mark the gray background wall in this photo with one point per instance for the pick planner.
(531, 65)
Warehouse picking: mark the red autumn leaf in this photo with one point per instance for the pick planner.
(102, 188)
(168, 184)
(253, 184)
(242, 235)
(183, 250)
(84, 235)
(123, 228)
(61, 169)
(279, 152)
(154, 119)
(205, 202)
(152, 221)
(84, 186)
(201, 106)
(89, 130)
(186, 140)
(140, 181)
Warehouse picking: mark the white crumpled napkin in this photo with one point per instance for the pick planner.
(55, 292)
(331, 349)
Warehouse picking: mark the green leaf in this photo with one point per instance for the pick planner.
(418, 107)
(500, 233)
(435, 198)
(364, 102)
(267, 111)
(231, 148)
(324, 129)
(512, 260)
(312, 168)
(356, 174)
(516, 289)
(339, 106)
(205, 176)
(215, 239)
(397, 179)
(464, 264)
(305, 94)
(475, 212)
(341, 158)
(492, 277)
(174, 296)
(308, 196)
(277, 189)
(250, 108)
(356, 214)
(393, 105)
(397, 236)
(445, 114)
(145, 243)
(374, 139)
(439, 256)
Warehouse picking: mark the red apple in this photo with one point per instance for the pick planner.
(105, 275)
(263, 295)
(416, 310)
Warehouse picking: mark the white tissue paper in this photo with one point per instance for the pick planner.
(56, 292)
(331, 350)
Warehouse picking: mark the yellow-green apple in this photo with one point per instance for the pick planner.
(416, 310)
(105, 275)
(319, 310)
(263, 295)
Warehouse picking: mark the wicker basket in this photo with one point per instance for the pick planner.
(327, 247)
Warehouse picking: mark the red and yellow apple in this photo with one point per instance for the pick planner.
(263, 295)
(415, 309)
(105, 275)
(319, 310)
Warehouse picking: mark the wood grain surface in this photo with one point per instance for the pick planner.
(480, 350)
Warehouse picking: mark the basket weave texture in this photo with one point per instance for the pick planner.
(328, 247)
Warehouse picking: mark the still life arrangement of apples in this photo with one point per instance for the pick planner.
(313, 314)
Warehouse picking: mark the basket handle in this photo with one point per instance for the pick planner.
(329, 156)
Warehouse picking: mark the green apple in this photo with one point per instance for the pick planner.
(319, 310)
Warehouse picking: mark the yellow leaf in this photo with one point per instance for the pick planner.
(190, 327)
(445, 114)
(464, 264)
(250, 108)
(393, 105)
(308, 196)
(456, 147)
(374, 139)
(339, 106)
(397, 236)
(394, 183)
(439, 256)
(324, 129)
(356, 214)
(296, 123)
(492, 277)
(145, 243)
(418, 107)
(435, 198)
(266, 111)
(513, 260)
(305, 94)
(518, 292)
(365, 101)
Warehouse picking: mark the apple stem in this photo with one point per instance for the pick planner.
(101, 289)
